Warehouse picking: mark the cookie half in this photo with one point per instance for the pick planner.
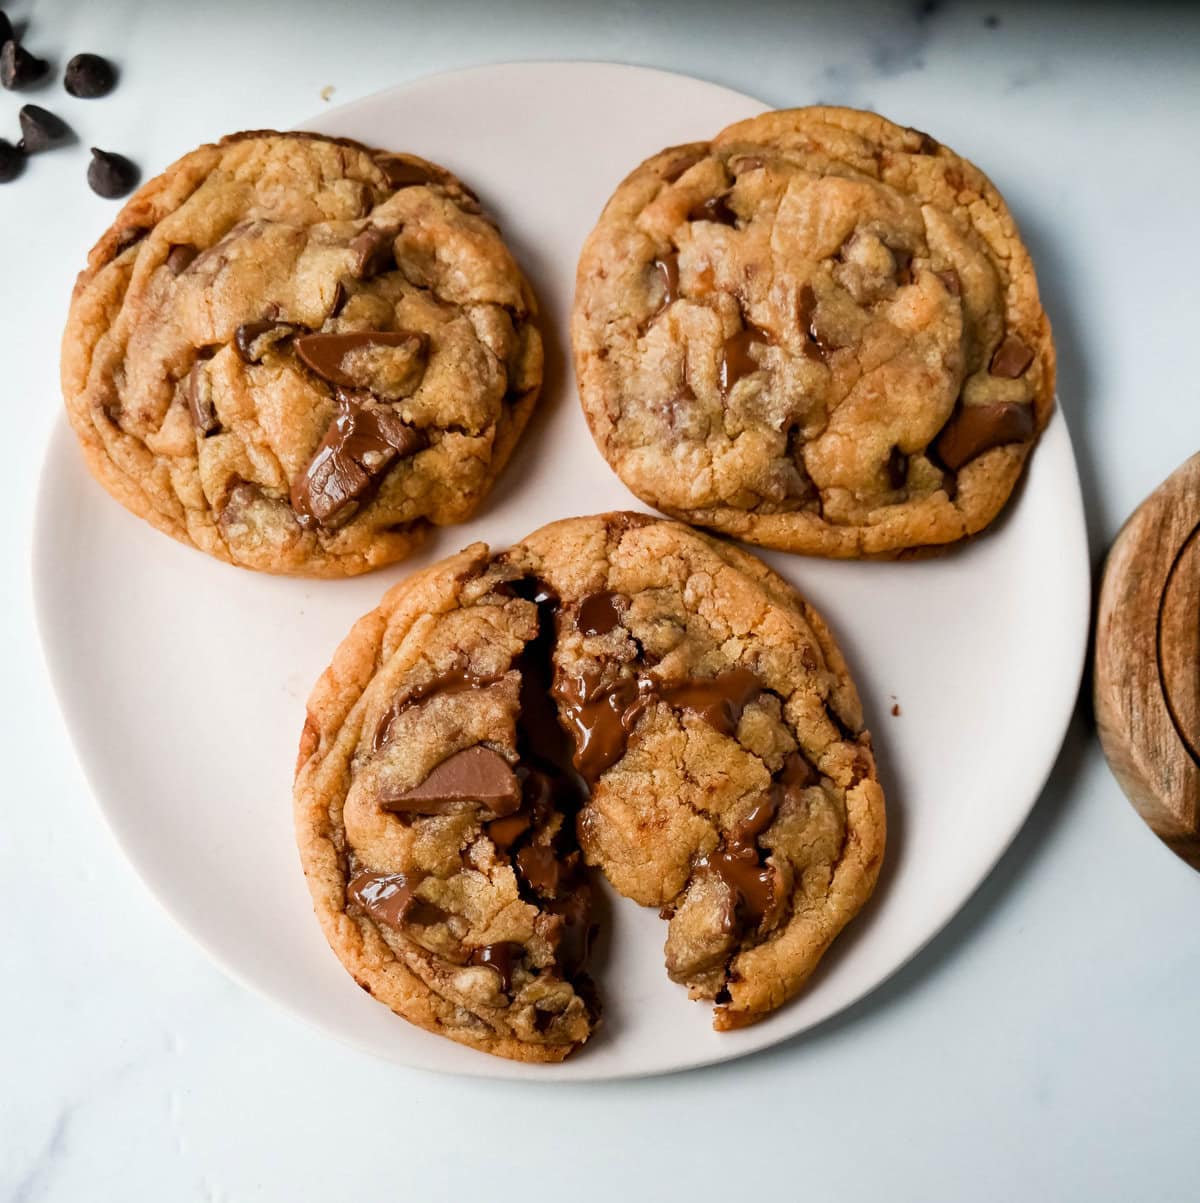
(622, 681)
(819, 332)
(296, 353)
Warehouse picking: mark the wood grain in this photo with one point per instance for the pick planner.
(1147, 678)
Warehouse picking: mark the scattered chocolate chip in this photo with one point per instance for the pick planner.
(974, 429)
(12, 162)
(361, 444)
(111, 175)
(950, 279)
(736, 360)
(254, 339)
(598, 614)
(499, 957)
(40, 129)
(668, 271)
(716, 209)
(180, 257)
(474, 775)
(19, 68)
(199, 393)
(897, 468)
(372, 249)
(325, 354)
(1011, 359)
(88, 76)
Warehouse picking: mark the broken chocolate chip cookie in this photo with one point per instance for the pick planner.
(337, 333)
(819, 332)
(620, 691)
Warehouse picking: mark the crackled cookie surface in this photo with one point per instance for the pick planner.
(619, 681)
(819, 332)
(296, 353)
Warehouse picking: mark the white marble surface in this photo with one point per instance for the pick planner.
(1042, 1047)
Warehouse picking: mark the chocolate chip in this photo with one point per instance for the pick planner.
(474, 775)
(505, 832)
(325, 354)
(950, 279)
(111, 175)
(974, 429)
(714, 209)
(340, 296)
(361, 444)
(199, 393)
(88, 76)
(179, 258)
(12, 162)
(1011, 359)
(19, 68)
(373, 253)
(903, 261)
(254, 339)
(806, 307)
(897, 468)
(668, 270)
(736, 360)
(40, 129)
(598, 614)
(499, 957)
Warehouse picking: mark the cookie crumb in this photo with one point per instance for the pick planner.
(895, 710)
(326, 92)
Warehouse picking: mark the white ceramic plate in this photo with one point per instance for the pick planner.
(183, 680)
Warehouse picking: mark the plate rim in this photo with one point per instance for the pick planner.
(61, 435)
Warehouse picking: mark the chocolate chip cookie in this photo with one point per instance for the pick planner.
(296, 353)
(621, 687)
(819, 332)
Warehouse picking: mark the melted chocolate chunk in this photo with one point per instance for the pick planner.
(180, 257)
(401, 174)
(577, 931)
(89, 76)
(598, 614)
(715, 209)
(361, 444)
(458, 680)
(19, 68)
(386, 897)
(199, 392)
(324, 354)
(736, 360)
(719, 700)
(110, 175)
(499, 957)
(897, 469)
(373, 252)
(1011, 359)
(254, 339)
(474, 775)
(505, 832)
(974, 429)
(601, 718)
(752, 884)
(668, 271)
(539, 868)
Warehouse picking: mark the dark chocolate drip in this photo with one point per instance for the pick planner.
(457, 680)
(499, 957)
